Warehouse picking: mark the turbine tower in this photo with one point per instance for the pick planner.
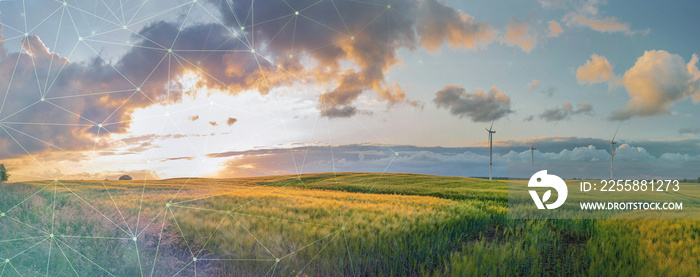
(491, 132)
(612, 150)
(532, 149)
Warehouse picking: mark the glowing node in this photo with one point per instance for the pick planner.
(277, 260)
(296, 13)
(228, 212)
(43, 99)
(170, 50)
(124, 27)
(252, 50)
(51, 235)
(396, 154)
(65, 3)
(388, 6)
(134, 238)
(342, 228)
(99, 125)
(138, 89)
(194, 259)
(2, 214)
(80, 39)
(352, 38)
(194, 1)
(167, 205)
(55, 180)
(26, 34)
(242, 28)
(7, 261)
(291, 56)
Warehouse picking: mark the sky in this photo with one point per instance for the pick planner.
(232, 88)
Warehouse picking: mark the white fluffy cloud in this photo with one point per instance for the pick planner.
(656, 81)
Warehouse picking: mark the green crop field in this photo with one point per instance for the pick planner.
(345, 224)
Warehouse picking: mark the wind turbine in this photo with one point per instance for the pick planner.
(532, 149)
(612, 150)
(491, 132)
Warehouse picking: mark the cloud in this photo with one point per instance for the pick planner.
(533, 85)
(518, 34)
(477, 105)
(230, 121)
(346, 48)
(656, 81)
(689, 131)
(213, 123)
(529, 118)
(597, 69)
(554, 28)
(587, 14)
(458, 161)
(550, 91)
(566, 111)
(193, 117)
(437, 23)
(345, 32)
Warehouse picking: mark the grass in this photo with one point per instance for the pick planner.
(349, 224)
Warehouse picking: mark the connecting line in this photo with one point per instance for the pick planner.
(86, 258)
(256, 239)
(160, 237)
(319, 252)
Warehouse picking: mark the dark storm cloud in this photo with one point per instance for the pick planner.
(79, 96)
(566, 111)
(330, 32)
(345, 45)
(230, 121)
(477, 105)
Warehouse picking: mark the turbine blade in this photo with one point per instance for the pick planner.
(491, 128)
(618, 129)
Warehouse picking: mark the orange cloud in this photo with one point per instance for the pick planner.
(597, 69)
(656, 81)
(554, 28)
(518, 34)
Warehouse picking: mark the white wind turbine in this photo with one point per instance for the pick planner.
(532, 149)
(612, 151)
(491, 132)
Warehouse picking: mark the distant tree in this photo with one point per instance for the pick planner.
(125, 177)
(698, 179)
(3, 173)
(685, 180)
